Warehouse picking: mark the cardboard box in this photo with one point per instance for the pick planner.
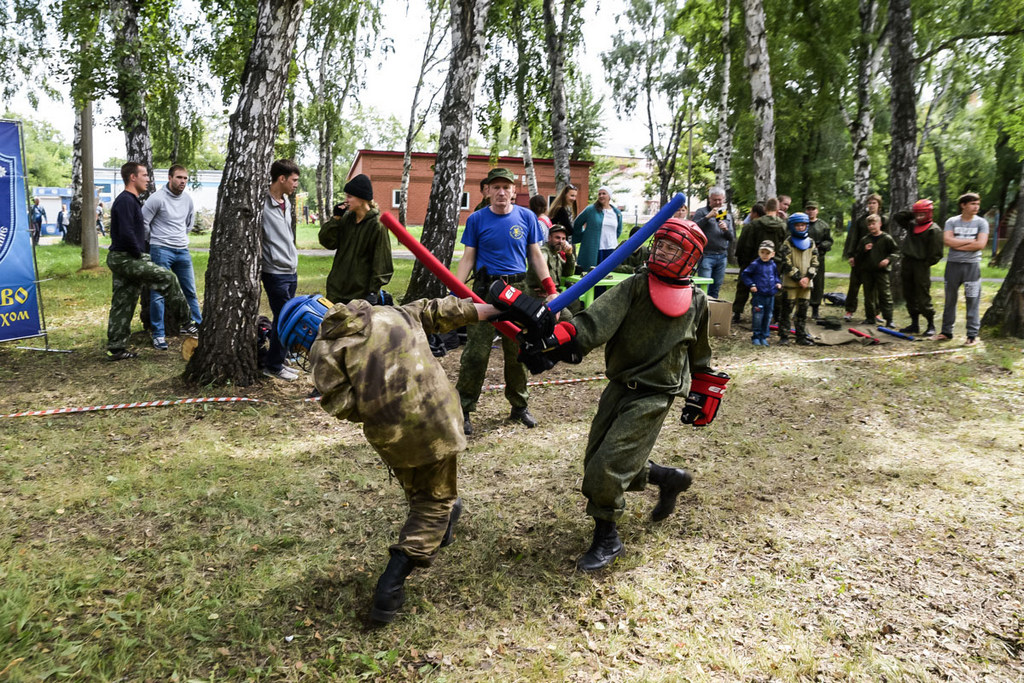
(720, 314)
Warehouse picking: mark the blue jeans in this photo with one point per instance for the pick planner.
(179, 262)
(761, 307)
(279, 288)
(713, 266)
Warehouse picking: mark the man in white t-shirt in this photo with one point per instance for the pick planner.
(966, 236)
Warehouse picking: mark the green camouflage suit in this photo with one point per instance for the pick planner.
(875, 277)
(821, 233)
(920, 251)
(559, 266)
(131, 275)
(373, 365)
(796, 265)
(648, 360)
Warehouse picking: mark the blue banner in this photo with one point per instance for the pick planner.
(19, 307)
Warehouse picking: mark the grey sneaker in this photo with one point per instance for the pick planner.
(287, 374)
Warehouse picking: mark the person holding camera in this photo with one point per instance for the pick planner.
(716, 223)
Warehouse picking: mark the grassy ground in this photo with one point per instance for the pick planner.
(851, 519)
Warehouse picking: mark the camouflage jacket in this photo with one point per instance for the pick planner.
(644, 348)
(559, 265)
(373, 365)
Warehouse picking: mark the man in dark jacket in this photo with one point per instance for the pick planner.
(921, 249)
(858, 230)
(821, 233)
(132, 269)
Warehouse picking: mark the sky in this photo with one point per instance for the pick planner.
(389, 84)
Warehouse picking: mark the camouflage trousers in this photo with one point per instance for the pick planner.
(131, 276)
(877, 294)
(431, 490)
(818, 283)
(793, 315)
(473, 366)
(622, 435)
(917, 287)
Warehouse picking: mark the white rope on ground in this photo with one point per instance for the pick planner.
(488, 388)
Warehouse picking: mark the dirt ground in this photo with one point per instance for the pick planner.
(856, 514)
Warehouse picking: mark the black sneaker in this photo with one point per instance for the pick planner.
(190, 330)
(735, 318)
(868, 321)
(123, 354)
(804, 341)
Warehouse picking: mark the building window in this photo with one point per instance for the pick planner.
(396, 198)
(551, 199)
(464, 204)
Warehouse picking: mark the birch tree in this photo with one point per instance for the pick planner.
(762, 100)
(227, 349)
(723, 146)
(562, 34)
(468, 21)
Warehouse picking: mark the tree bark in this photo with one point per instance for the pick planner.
(943, 176)
(90, 242)
(723, 156)
(227, 339)
(555, 43)
(763, 103)
(903, 150)
(74, 229)
(1006, 314)
(442, 220)
(129, 86)
(1013, 241)
(862, 124)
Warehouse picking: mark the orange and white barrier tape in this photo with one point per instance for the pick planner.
(490, 387)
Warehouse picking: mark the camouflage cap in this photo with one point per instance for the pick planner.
(767, 244)
(811, 205)
(499, 174)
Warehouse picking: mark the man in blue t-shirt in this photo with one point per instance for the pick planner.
(499, 239)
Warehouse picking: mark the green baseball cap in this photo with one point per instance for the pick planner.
(500, 174)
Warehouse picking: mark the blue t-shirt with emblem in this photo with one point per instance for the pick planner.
(501, 241)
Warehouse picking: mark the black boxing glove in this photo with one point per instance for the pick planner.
(532, 316)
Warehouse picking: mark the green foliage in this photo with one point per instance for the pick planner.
(47, 154)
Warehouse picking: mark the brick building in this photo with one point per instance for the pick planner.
(385, 171)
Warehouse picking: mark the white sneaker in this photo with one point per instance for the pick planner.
(287, 374)
(160, 343)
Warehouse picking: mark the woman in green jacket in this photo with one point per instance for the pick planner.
(596, 231)
(362, 262)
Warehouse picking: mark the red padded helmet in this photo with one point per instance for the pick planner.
(690, 241)
(922, 209)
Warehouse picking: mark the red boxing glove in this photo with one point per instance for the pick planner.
(549, 286)
(706, 391)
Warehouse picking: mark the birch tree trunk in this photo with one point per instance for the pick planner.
(943, 175)
(903, 154)
(555, 43)
(74, 230)
(129, 87)
(763, 103)
(527, 147)
(442, 220)
(227, 339)
(723, 158)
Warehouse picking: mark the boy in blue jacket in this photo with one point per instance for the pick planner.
(762, 278)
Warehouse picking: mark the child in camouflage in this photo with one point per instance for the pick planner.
(373, 365)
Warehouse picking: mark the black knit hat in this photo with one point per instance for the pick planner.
(360, 186)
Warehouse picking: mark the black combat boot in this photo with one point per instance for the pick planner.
(467, 426)
(913, 327)
(390, 593)
(930, 321)
(814, 312)
(523, 415)
(671, 481)
(605, 548)
(453, 519)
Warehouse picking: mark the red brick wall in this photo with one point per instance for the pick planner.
(385, 171)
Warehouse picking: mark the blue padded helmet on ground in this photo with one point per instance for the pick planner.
(800, 238)
(299, 323)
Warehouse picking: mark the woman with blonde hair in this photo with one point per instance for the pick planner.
(599, 227)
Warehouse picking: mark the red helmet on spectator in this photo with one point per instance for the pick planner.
(678, 246)
(922, 209)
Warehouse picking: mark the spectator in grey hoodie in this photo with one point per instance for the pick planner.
(169, 215)
(279, 269)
